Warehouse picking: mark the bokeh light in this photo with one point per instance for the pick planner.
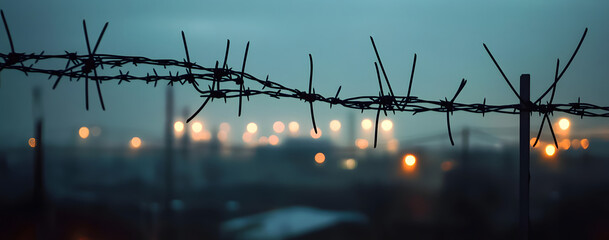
(575, 144)
(205, 135)
(550, 150)
(393, 145)
(225, 127)
(447, 165)
(366, 124)
(335, 125)
(361, 143)
(349, 164)
(247, 137)
(564, 123)
(320, 158)
(293, 127)
(585, 143)
(532, 141)
(273, 140)
(387, 125)
(278, 127)
(315, 135)
(222, 136)
(564, 144)
(32, 142)
(83, 132)
(263, 141)
(197, 127)
(135, 142)
(178, 126)
(252, 127)
(410, 160)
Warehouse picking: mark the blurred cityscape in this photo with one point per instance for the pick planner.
(291, 183)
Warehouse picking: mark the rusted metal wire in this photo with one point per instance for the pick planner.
(80, 66)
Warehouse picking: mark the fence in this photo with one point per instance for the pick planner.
(85, 67)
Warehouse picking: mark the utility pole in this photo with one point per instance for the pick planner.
(38, 153)
(465, 148)
(186, 136)
(525, 92)
(38, 197)
(168, 232)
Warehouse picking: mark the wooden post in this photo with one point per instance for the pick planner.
(525, 92)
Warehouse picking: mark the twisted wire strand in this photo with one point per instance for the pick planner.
(79, 66)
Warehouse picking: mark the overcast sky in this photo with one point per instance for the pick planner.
(525, 37)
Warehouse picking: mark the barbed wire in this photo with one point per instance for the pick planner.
(80, 66)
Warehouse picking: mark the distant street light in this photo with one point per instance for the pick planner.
(335, 125)
(293, 127)
(178, 126)
(387, 125)
(320, 158)
(83, 132)
(197, 127)
(410, 160)
(564, 123)
(585, 143)
(550, 150)
(278, 127)
(315, 135)
(252, 128)
(136, 142)
(32, 142)
(273, 140)
(361, 143)
(366, 124)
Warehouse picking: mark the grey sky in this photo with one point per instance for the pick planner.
(524, 36)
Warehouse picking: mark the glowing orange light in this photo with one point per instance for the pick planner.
(550, 150)
(136, 142)
(387, 125)
(315, 135)
(83, 132)
(278, 127)
(564, 144)
(361, 143)
(294, 127)
(252, 127)
(273, 140)
(392, 145)
(205, 135)
(585, 143)
(410, 160)
(335, 125)
(263, 140)
(178, 126)
(224, 127)
(320, 158)
(532, 142)
(222, 136)
(575, 144)
(564, 123)
(197, 127)
(247, 137)
(447, 165)
(349, 164)
(366, 124)
(32, 142)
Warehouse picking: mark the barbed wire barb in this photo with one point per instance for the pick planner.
(78, 67)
